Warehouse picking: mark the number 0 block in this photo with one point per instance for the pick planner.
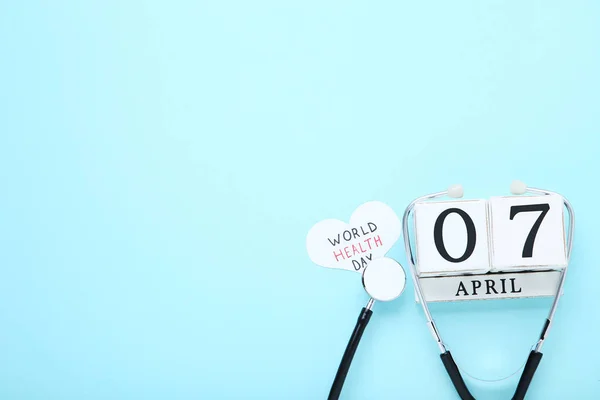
(451, 237)
(528, 233)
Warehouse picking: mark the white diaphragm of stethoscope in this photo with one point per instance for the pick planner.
(456, 191)
(384, 279)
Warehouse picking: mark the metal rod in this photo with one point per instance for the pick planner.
(419, 291)
(411, 262)
(370, 303)
(563, 275)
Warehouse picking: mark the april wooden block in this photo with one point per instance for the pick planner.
(451, 237)
(528, 233)
(490, 286)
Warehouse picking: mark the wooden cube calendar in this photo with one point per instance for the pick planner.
(502, 247)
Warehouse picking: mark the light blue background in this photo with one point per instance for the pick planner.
(162, 162)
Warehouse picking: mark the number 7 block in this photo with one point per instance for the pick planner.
(528, 233)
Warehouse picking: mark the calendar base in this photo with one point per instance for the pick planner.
(490, 286)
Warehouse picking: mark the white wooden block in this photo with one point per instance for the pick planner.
(490, 286)
(451, 237)
(528, 233)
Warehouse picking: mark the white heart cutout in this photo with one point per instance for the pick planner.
(373, 229)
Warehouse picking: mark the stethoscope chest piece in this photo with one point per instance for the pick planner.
(360, 246)
(384, 279)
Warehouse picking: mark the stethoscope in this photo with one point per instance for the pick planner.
(535, 356)
(383, 280)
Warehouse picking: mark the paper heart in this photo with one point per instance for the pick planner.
(371, 233)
